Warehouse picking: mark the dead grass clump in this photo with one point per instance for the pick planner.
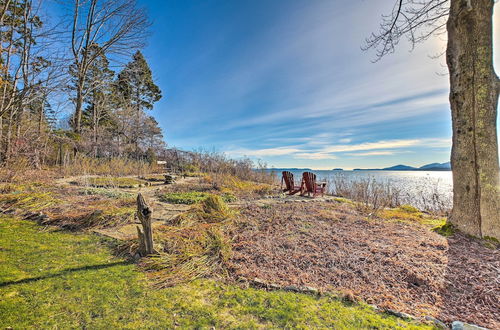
(187, 253)
(91, 216)
(32, 201)
(212, 209)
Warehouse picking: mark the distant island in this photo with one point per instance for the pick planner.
(338, 169)
(429, 167)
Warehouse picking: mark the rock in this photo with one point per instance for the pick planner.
(437, 322)
(259, 282)
(400, 314)
(309, 289)
(291, 288)
(457, 325)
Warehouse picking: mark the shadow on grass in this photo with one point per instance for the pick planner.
(64, 272)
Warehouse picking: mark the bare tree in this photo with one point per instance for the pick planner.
(117, 26)
(474, 90)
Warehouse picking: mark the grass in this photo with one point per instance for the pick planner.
(64, 280)
(191, 197)
(109, 182)
(408, 213)
(110, 193)
(446, 229)
(242, 188)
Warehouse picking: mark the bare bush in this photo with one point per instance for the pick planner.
(374, 194)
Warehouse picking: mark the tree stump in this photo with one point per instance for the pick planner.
(146, 235)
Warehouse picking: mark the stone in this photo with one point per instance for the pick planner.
(259, 282)
(292, 288)
(457, 325)
(438, 323)
(400, 314)
(310, 289)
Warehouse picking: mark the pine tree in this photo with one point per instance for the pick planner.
(137, 92)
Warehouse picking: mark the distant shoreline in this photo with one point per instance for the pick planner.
(428, 167)
(359, 170)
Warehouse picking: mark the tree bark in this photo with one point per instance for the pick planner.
(473, 99)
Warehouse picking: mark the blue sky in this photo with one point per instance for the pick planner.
(285, 81)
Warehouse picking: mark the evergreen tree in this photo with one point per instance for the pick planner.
(137, 92)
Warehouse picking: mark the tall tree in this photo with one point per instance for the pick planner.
(98, 94)
(138, 92)
(118, 26)
(474, 91)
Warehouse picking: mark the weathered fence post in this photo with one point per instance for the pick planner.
(146, 235)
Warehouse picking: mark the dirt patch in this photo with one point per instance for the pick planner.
(402, 266)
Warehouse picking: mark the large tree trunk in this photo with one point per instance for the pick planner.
(474, 88)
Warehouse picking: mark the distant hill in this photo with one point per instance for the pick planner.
(400, 168)
(428, 167)
(437, 167)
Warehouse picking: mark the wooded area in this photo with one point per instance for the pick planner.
(75, 83)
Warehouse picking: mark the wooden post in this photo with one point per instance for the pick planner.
(146, 235)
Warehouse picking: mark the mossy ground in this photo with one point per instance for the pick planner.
(55, 279)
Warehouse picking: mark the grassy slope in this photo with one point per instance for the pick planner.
(65, 280)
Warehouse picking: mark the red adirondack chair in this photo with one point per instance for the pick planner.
(290, 186)
(310, 186)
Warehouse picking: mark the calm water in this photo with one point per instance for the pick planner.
(416, 187)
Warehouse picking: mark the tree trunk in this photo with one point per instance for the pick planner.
(146, 246)
(474, 88)
(77, 120)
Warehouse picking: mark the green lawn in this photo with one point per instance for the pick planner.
(54, 279)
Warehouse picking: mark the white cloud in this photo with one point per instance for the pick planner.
(373, 153)
(279, 151)
(390, 144)
(314, 155)
(377, 148)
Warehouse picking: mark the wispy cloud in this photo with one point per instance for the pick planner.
(372, 153)
(377, 148)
